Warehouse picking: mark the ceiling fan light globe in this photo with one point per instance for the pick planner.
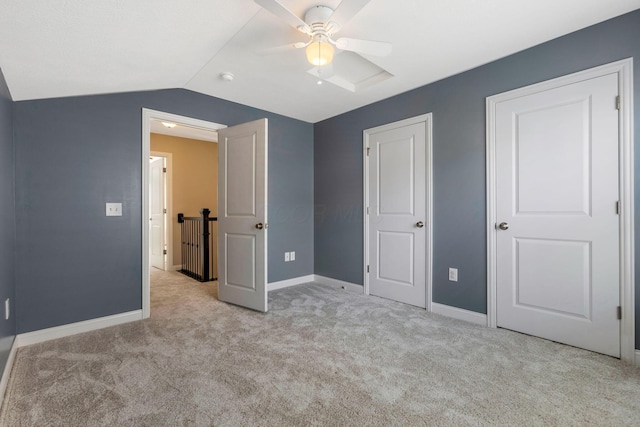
(320, 53)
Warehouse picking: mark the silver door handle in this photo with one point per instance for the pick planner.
(259, 226)
(420, 224)
(503, 226)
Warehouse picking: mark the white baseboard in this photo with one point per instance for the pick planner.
(289, 282)
(176, 267)
(76, 328)
(459, 313)
(348, 286)
(7, 371)
(637, 361)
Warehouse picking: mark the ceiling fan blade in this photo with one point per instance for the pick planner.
(368, 47)
(283, 48)
(279, 10)
(346, 10)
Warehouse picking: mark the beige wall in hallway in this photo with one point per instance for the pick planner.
(194, 178)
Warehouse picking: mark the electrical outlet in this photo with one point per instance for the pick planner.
(114, 209)
(453, 274)
(292, 255)
(286, 257)
(6, 309)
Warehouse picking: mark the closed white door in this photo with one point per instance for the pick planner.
(397, 212)
(157, 213)
(557, 224)
(242, 215)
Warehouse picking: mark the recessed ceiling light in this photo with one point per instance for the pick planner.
(169, 125)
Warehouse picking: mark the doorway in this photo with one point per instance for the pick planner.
(398, 212)
(160, 230)
(559, 173)
(243, 155)
(149, 116)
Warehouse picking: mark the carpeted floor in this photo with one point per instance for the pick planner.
(321, 356)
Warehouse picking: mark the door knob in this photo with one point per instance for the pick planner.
(503, 226)
(259, 226)
(420, 224)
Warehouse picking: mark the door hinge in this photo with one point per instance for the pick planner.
(164, 252)
(367, 210)
(619, 313)
(164, 170)
(618, 102)
(164, 211)
(368, 150)
(367, 268)
(618, 207)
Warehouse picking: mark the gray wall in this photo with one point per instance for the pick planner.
(7, 219)
(75, 154)
(458, 107)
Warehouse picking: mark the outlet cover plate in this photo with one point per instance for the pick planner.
(114, 209)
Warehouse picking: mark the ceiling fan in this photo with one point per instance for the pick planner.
(320, 24)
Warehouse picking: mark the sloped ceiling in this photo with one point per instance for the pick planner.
(78, 47)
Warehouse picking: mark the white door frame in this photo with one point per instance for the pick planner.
(427, 119)
(147, 116)
(168, 237)
(624, 69)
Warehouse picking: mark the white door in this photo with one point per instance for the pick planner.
(556, 198)
(242, 215)
(157, 213)
(397, 212)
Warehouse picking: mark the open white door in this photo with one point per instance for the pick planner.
(242, 215)
(157, 213)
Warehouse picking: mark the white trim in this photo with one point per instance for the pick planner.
(6, 373)
(365, 214)
(459, 313)
(43, 335)
(147, 116)
(168, 258)
(427, 119)
(627, 232)
(637, 357)
(335, 283)
(624, 69)
(176, 267)
(272, 286)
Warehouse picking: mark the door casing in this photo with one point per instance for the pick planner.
(624, 69)
(427, 120)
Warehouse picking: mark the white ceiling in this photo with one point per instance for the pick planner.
(77, 47)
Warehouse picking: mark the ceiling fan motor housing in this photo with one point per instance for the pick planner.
(318, 19)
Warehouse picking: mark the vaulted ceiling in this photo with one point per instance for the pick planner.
(55, 48)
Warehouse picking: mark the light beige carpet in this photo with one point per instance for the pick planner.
(321, 356)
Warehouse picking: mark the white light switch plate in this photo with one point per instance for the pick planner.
(292, 256)
(114, 209)
(453, 274)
